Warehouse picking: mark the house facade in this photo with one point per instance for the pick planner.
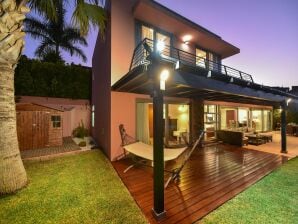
(212, 97)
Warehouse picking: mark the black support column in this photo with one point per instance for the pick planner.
(158, 145)
(283, 127)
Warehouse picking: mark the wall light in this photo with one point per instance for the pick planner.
(186, 39)
(164, 75)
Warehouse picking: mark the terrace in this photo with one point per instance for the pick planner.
(213, 176)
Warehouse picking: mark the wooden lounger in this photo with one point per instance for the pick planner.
(145, 152)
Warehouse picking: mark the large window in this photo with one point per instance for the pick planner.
(176, 123)
(201, 58)
(147, 33)
(243, 117)
(211, 120)
(228, 117)
(161, 39)
(207, 60)
(256, 122)
(267, 121)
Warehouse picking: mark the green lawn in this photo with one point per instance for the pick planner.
(274, 199)
(81, 188)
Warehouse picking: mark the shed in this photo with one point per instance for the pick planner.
(38, 126)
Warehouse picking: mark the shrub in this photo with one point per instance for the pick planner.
(40, 78)
(80, 131)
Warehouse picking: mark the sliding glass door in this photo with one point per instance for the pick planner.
(176, 123)
(256, 122)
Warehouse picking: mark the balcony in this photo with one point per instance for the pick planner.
(195, 76)
(187, 60)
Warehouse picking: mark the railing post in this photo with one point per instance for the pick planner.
(240, 73)
(225, 70)
(206, 63)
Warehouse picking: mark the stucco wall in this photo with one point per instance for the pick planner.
(123, 111)
(123, 37)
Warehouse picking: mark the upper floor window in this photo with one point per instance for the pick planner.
(162, 40)
(147, 33)
(201, 58)
(207, 60)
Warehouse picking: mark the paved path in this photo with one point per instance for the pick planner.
(68, 146)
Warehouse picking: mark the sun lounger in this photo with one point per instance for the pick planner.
(144, 152)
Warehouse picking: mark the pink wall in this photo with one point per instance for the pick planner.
(123, 111)
(75, 111)
(123, 37)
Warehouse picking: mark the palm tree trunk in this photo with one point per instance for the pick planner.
(12, 173)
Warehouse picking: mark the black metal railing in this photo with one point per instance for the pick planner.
(172, 54)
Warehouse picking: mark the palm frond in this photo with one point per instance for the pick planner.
(35, 26)
(73, 36)
(44, 7)
(73, 50)
(86, 14)
(45, 46)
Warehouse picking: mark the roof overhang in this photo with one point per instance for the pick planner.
(158, 15)
(185, 84)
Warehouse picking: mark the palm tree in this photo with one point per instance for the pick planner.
(12, 14)
(55, 34)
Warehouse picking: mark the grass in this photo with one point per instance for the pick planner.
(274, 199)
(81, 188)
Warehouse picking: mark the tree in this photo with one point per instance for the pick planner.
(12, 14)
(55, 34)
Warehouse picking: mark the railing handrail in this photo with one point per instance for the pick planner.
(207, 63)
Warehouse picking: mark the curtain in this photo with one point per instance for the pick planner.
(143, 123)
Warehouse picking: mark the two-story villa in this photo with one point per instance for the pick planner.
(155, 61)
(202, 92)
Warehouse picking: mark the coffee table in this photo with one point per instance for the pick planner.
(267, 137)
(256, 139)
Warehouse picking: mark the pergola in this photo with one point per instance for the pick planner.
(174, 73)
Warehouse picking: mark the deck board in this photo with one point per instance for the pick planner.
(212, 176)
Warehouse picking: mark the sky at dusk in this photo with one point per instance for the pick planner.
(266, 31)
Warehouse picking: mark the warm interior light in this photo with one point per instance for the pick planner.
(186, 39)
(182, 108)
(160, 46)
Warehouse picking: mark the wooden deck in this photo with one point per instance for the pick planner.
(212, 176)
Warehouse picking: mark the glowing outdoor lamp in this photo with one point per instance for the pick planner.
(186, 39)
(164, 75)
(288, 101)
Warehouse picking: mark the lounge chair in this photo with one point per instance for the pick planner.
(143, 152)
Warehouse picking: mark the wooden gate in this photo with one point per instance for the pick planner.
(33, 129)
